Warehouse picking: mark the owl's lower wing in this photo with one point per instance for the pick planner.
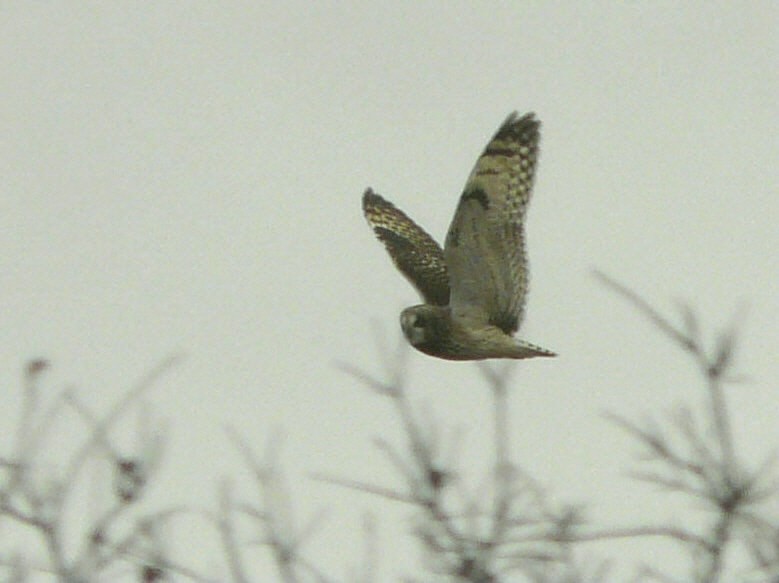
(485, 245)
(414, 252)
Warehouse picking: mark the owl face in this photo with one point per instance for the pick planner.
(423, 325)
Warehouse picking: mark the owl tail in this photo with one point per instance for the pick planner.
(528, 350)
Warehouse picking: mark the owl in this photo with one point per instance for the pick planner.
(474, 288)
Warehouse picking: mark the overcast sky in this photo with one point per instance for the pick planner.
(185, 177)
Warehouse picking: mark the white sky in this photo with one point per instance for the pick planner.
(186, 177)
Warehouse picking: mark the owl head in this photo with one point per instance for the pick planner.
(425, 326)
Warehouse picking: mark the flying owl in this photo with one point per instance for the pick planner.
(474, 288)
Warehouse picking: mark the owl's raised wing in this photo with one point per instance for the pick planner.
(485, 245)
(414, 252)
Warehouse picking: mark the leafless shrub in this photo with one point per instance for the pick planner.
(270, 520)
(37, 495)
(693, 453)
(505, 525)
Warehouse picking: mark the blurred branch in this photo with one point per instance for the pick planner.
(686, 458)
(227, 530)
(42, 504)
(502, 525)
(274, 517)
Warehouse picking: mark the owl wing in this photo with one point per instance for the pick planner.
(414, 252)
(485, 245)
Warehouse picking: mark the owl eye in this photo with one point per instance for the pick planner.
(419, 321)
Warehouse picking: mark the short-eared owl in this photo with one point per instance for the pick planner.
(474, 288)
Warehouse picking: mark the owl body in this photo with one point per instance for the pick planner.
(474, 288)
(434, 331)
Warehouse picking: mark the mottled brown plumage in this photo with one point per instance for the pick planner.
(415, 253)
(474, 289)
